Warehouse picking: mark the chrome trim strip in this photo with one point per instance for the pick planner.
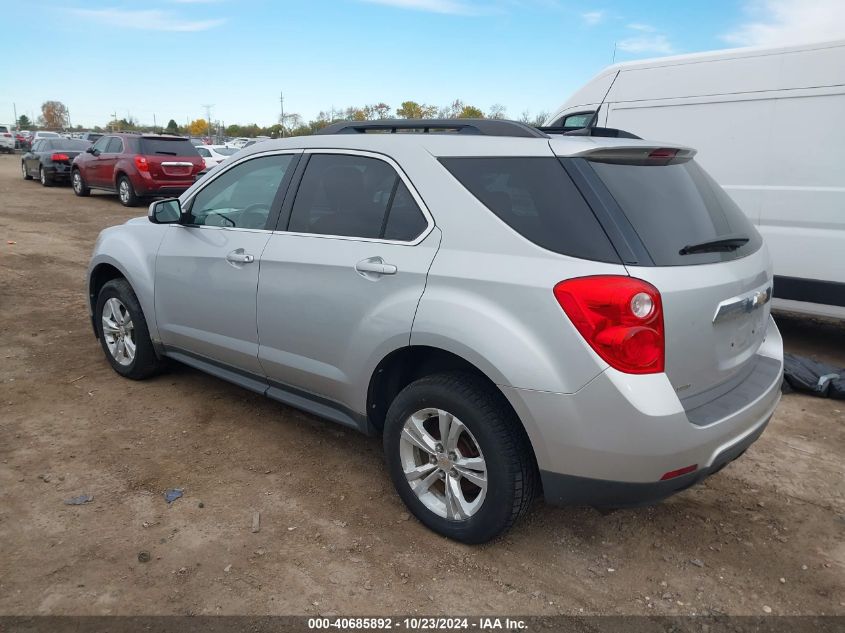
(176, 164)
(743, 304)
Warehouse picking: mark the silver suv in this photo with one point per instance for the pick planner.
(513, 311)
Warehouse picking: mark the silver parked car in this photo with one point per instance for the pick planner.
(514, 311)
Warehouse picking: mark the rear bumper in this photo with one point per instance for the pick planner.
(612, 441)
(58, 172)
(560, 489)
(169, 190)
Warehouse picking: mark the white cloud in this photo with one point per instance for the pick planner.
(591, 18)
(782, 22)
(146, 19)
(646, 41)
(454, 7)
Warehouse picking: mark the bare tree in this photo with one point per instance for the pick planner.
(53, 115)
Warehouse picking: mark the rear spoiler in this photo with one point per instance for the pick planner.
(639, 155)
(608, 132)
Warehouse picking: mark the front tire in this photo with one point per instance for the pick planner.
(123, 332)
(126, 192)
(24, 171)
(458, 457)
(78, 184)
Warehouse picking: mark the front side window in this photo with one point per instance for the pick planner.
(101, 144)
(115, 146)
(242, 196)
(354, 196)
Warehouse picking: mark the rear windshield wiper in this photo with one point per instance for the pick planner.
(723, 244)
(166, 153)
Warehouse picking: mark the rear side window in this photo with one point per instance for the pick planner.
(537, 199)
(355, 196)
(675, 206)
(167, 147)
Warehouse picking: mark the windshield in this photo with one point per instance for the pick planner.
(676, 206)
(226, 151)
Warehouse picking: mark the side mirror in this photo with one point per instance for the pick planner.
(167, 211)
(91, 150)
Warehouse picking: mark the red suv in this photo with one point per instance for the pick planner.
(136, 166)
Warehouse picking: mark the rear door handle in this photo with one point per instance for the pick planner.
(240, 257)
(375, 266)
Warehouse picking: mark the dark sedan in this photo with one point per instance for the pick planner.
(49, 159)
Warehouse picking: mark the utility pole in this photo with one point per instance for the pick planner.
(69, 124)
(15, 108)
(154, 123)
(114, 123)
(208, 118)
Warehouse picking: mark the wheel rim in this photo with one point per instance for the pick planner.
(124, 191)
(77, 182)
(443, 464)
(23, 170)
(42, 175)
(118, 331)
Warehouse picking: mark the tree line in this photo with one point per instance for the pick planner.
(54, 116)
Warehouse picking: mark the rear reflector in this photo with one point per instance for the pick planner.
(621, 318)
(681, 471)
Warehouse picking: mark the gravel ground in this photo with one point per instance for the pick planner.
(765, 534)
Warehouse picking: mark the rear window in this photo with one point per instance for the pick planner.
(69, 144)
(3, 129)
(674, 206)
(167, 147)
(226, 151)
(537, 199)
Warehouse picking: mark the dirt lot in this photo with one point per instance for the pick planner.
(766, 532)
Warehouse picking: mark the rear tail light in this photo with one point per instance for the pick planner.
(57, 158)
(7, 135)
(141, 163)
(198, 167)
(620, 317)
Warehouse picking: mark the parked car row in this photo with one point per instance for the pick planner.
(134, 166)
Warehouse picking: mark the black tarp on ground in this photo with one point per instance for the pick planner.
(813, 377)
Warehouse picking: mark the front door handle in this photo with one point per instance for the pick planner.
(375, 266)
(240, 257)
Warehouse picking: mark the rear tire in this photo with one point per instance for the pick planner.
(122, 330)
(490, 453)
(24, 171)
(46, 180)
(126, 192)
(78, 184)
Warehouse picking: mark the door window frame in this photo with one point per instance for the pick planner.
(278, 200)
(284, 217)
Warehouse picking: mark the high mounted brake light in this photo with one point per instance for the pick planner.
(645, 156)
(621, 318)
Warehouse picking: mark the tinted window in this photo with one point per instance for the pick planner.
(115, 145)
(536, 198)
(203, 152)
(47, 134)
(93, 137)
(68, 144)
(100, 145)
(3, 128)
(36, 146)
(673, 206)
(405, 221)
(343, 195)
(242, 196)
(226, 151)
(168, 147)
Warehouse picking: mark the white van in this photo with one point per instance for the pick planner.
(768, 125)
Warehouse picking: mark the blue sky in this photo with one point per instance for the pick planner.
(168, 58)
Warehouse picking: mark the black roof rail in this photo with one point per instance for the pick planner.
(477, 127)
(608, 132)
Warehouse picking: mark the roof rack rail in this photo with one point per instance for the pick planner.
(477, 127)
(609, 132)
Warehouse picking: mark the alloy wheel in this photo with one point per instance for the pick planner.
(443, 464)
(118, 331)
(123, 191)
(77, 182)
(42, 175)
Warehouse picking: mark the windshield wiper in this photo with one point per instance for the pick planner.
(721, 245)
(166, 153)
